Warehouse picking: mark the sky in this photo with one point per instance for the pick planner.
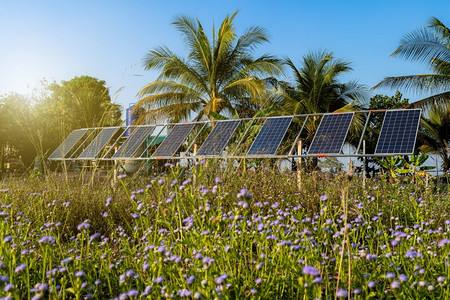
(59, 40)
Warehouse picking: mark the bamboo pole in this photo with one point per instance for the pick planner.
(299, 164)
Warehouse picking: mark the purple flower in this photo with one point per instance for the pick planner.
(132, 293)
(443, 242)
(49, 240)
(221, 278)
(184, 293)
(79, 273)
(217, 180)
(83, 225)
(122, 176)
(441, 279)
(403, 278)
(8, 287)
(159, 279)
(395, 284)
(258, 281)
(324, 198)
(94, 237)
(371, 284)
(253, 291)
(20, 268)
(161, 181)
(310, 270)
(108, 201)
(190, 279)
(390, 275)
(341, 293)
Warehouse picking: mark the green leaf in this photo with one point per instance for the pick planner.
(217, 116)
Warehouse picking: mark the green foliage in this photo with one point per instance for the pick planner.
(218, 75)
(35, 127)
(317, 89)
(414, 166)
(390, 164)
(84, 102)
(432, 46)
(245, 234)
(434, 133)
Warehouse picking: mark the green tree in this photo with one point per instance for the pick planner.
(219, 74)
(17, 122)
(432, 46)
(84, 102)
(435, 132)
(317, 89)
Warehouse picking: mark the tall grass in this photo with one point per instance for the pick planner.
(207, 233)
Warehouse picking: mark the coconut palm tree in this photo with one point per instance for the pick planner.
(317, 88)
(432, 46)
(218, 75)
(435, 132)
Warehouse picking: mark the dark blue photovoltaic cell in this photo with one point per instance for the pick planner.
(98, 143)
(331, 134)
(399, 132)
(136, 139)
(218, 138)
(270, 136)
(67, 145)
(174, 139)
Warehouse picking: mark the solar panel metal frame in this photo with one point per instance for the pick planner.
(70, 138)
(173, 140)
(262, 136)
(98, 143)
(137, 137)
(385, 131)
(321, 146)
(215, 137)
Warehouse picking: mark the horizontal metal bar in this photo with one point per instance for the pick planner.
(241, 157)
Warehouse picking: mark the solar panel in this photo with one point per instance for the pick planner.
(131, 145)
(67, 145)
(218, 138)
(269, 137)
(399, 132)
(173, 140)
(98, 142)
(331, 134)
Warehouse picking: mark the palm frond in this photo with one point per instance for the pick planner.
(429, 101)
(420, 82)
(196, 39)
(422, 45)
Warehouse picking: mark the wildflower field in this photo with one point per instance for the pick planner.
(203, 233)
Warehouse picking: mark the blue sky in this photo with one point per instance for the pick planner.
(59, 40)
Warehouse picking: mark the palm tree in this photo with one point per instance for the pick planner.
(317, 89)
(435, 132)
(431, 45)
(219, 75)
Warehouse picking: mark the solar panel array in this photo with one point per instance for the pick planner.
(98, 143)
(134, 141)
(174, 139)
(399, 132)
(331, 134)
(269, 137)
(398, 136)
(218, 138)
(67, 145)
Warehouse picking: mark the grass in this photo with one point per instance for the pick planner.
(203, 233)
